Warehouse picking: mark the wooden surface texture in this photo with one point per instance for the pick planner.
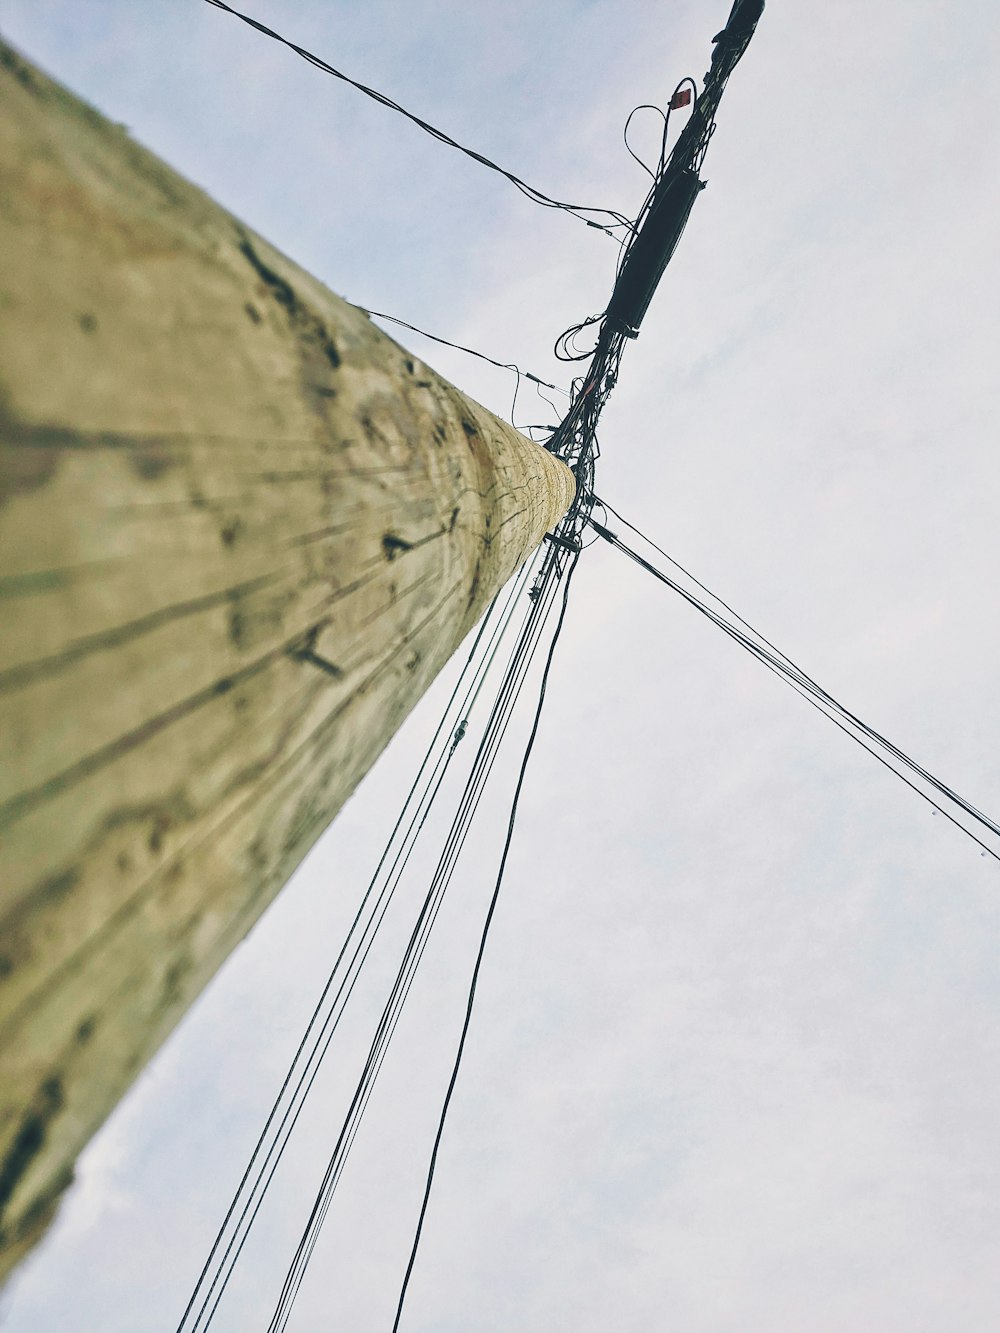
(241, 530)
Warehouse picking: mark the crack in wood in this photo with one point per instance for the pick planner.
(306, 652)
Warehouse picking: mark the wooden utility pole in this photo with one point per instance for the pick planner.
(241, 531)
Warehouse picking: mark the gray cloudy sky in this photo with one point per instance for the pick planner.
(735, 1061)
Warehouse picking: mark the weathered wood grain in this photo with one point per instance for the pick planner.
(241, 532)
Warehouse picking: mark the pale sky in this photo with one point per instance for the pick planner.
(735, 1061)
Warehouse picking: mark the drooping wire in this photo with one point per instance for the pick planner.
(617, 222)
(501, 365)
(866, 736)
(644, 106)
(684, 94)
(565, 347)
(482, 947)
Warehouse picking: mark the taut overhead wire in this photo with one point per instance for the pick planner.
(864, 735)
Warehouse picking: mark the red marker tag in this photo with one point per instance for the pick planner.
(683, 98)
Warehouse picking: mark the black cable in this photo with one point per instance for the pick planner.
(644, 106)
(814, 694)
(413, 955)
(394, 874)
(565, 348)
(388, 891)
(536, 196)
(575, 441)
(662, 219)
(482, 948)
(816, 689)
(501, 365)
(687, 573)
(377, 1054)
(486, 755)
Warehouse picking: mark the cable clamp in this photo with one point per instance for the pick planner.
(600, 529)
(565, 543)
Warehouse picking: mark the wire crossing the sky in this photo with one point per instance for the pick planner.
(538, 581)
(877, 745)
(481, 356)
(616, 223)
(482, 946)
(644, 257)
(648, 251)
(315, 1043)
(501, 365)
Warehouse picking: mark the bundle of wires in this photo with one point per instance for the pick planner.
(655, 235)
(651, 241)
(606, 220)
(515, 624)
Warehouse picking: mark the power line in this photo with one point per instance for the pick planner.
(687, 574)
(308, 1057)
(866, 736)
(501, 365)
(261, 1175)
(482, 948)
(574, 440)
(617, 220)
(649, 248)
(496, 728)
